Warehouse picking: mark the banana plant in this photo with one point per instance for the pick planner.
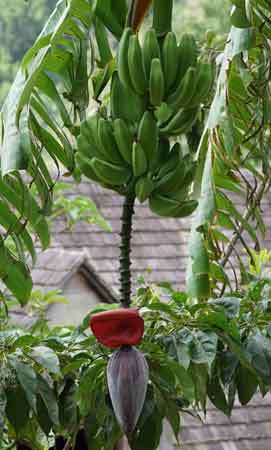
(45, 121)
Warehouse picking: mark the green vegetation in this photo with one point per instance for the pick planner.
(201, 344)
(202, 15)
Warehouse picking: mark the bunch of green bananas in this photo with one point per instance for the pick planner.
(98, 154)
(172, 182)
(167, 183)
(117, 156)
(168, 75)
(114, 151)
(155, 93)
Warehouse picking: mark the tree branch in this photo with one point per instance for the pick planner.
(249, 213)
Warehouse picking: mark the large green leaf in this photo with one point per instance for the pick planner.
(199, 267)
(68, 405)
(238, 41)
(35, 123)
(43, 416)
(199, 375)
(259, 349)
(150, 433)
(217, 395)
(17, 409)
(112, 14)
(48, 396)
(247, 385)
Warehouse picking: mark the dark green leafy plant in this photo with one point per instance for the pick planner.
(196, 352)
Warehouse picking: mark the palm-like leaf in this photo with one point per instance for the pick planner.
(49, 92)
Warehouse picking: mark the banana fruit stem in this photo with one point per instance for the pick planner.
(125, 249)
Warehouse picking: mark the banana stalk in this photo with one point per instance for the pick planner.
(125, 249)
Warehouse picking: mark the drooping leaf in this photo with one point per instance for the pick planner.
(150, 433)
(17, 408)
(217, 395)
(48, 396)
(68, 405)
(28, 381)
(259, 349)
(43, 416)
(247, 385)
(199, 375)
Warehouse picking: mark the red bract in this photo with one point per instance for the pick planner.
(118, 327)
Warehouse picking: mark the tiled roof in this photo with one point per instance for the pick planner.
(159, 245)
(56, 266)
(249, 428)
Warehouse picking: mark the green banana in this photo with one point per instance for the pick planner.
(190, 173)
(170, 57)
(87, 142)
(150, 50)
(108, 143)
(188, 54)
(181, 122)
(173, 181)
(162, 153)
(84, 165)
(148, 137)
(89, 128)
(125, 103)
(136, 67)
(172, 161)
(144, 187)
(86, 147)
(122, 58)
(140, 164)
(124, 140)
(185, 91)
(167, 207)
(204, 83)
(181, 195)
(163, 114)
(110, 173)
(157, 83)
